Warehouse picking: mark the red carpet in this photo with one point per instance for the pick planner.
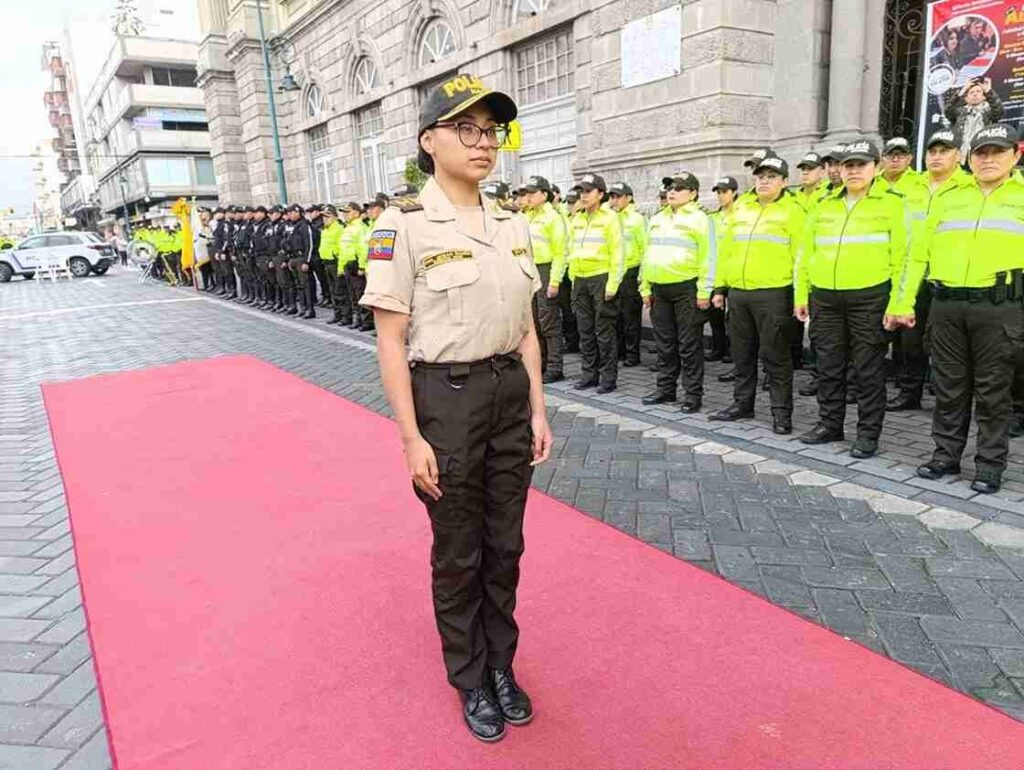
(255, 570)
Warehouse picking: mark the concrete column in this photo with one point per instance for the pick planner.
(871, 95)
(846, 69)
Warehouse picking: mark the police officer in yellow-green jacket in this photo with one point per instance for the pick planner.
(349, 247)
(760, 238)
(678, 274)
(848, 271)
(631, 307)
(943, 171)
(548, 238)
(329, 251)
(596, 266)
(972, 248)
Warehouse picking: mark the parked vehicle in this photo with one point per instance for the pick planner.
(83, 252)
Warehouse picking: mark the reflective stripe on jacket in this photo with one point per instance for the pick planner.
(681, 245)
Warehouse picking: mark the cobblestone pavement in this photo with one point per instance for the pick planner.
(925, 576)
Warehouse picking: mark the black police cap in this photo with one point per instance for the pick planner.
(458, 94)
(997, 135)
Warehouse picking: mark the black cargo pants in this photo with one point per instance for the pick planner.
(974, 346)
(595, 319)
(678, 332)
(631, 308)
(913, 359)
(759, 323)
(547, 315)
(846, 329)
(477, 419)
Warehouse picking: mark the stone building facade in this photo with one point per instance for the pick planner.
(795, 74)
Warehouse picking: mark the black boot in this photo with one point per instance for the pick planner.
(482, 713)
(515, 704)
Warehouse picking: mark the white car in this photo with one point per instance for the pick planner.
(84, 253)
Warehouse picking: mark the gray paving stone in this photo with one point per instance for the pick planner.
(21, 629)
(906, 603)
(26, 724)
(22, 687)
(904, 639)
(65, 630)
(21, 656)
(21, 606)
(840, 610)
(990, 569)
(972, 633)
(73, 688)
(970, 599)
(30, 757)
(75, 728)
(94, 755)
(851, 578)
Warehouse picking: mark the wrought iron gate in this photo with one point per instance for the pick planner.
(903, 41)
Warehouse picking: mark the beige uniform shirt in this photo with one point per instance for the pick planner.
(467, 296)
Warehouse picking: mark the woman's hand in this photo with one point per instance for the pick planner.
(422, 463)
(542, 438)
(718, 301)
(800, 313)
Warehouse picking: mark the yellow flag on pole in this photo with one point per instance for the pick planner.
(182, 211)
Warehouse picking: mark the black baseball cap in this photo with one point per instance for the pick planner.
(773, 163)
(219, 210)
(834, 153)
(260, 209)
(353, 206)
(860, 149)
(726, 183)
(757, 156)
(896, 145)
(810, 160)
(330, 211)
(316, 207)
(572, 196)
(684, 180)
(295, 207)
(535, 183)
(380, 200)
(620, 188)
(591, 182)
(496, 190)
(997, 135)
(944, 136)
(458, 94)
(556, 189)
(405, 191)
(275, 209)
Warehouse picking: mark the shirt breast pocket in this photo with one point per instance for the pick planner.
(455, 280)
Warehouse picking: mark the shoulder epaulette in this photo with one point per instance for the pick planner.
(510, 207)
(407, 205)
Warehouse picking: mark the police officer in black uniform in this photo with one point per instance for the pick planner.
(471, 409)
(299, 246)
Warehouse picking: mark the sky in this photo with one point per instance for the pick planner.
(26, 26)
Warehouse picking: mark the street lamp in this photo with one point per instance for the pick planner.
(282, 188)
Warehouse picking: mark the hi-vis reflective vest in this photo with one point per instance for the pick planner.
(809, 200)
(548, 239)
(919, 197)
(854, 248)
(969, 237)
(681, 245)
(634, 234)
(759, 243)
(330, 241)
(597, 247)
(349, 248)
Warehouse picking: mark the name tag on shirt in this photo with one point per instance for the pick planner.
(433, 260)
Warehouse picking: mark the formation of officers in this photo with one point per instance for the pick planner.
(288, 260)
(863, 254)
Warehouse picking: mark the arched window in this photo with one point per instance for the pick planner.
(524, 9)
(438, 41)
(314, 101)
(366, 77)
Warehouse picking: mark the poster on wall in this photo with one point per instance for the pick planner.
(652, 47)
(968, 43)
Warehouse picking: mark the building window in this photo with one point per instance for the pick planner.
(314, 101)
(524, 9)
(370, 134)
(438, 41)
(366, 77)
(321, 162)
(168, 172)
(545, 69)
(204, 172)
(181, 78)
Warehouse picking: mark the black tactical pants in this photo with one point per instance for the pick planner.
(678, 332)
(719, 337)
(356, 285)
(759, 323)
(547, 315)
(285, 282)
(477, 419)
(974, 346)
(846, 328)
(206, 273)
(343, 296)
(595, 318)
(330, 277)
(570, 332)
(230, 281)
(631, 308)
(303, 280)
(913, 355)
(319, 269)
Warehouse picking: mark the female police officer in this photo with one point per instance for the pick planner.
(450, 279)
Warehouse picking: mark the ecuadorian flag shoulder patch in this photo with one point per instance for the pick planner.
(382, 244)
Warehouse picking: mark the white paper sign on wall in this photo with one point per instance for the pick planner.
(652, 47)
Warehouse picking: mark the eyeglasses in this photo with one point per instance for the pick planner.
(679, 187)
(470, 133)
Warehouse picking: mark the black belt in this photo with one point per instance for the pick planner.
(996, 294)
(462, 370)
